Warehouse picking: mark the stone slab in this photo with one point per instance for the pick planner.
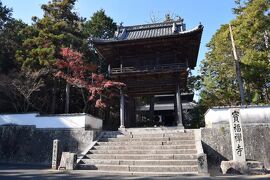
(68, 161)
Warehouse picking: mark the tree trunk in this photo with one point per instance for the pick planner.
(84, 101)
(53, 96)
(67, 98)
(249, 95)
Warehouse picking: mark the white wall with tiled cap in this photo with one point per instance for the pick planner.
(249, 115)
(51, 121)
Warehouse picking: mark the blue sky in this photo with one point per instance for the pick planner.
(211, 13)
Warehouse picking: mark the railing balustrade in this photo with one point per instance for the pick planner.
(156, 68)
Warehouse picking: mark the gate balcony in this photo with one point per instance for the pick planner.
(167, 68)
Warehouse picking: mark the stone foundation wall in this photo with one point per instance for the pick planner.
(217, 144)
(27, 144)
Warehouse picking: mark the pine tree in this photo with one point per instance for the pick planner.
(59, 27)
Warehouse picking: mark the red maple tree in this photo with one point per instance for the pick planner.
(76, 72)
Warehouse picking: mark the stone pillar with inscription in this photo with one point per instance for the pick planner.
(237, 140)
(238, 150)
(55, 154)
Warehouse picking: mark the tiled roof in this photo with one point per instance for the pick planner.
(149, 31)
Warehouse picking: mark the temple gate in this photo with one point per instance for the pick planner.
(151, 59)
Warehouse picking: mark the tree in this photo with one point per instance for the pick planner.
(218, 72)
(219, 84)
(5, 15)
(59, 27)
(19, 88)
(76, 72)
(250, 28)
(10, 42)
(100, 26)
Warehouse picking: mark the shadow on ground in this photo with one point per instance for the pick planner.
(15, 171)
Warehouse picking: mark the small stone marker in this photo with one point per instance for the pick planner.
(56, 154)
(68, 161)
(237, 140)
(71, 161)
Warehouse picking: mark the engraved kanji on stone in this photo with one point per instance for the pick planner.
(237, 128)
(235, 115)
(238, 137)
(239, 150)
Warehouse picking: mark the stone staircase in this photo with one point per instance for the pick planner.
(133, 152)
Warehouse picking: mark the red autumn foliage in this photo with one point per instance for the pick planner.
(76, 72)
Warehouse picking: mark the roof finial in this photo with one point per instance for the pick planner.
(181, 20)
(174, 29)
(168, 18)
(117, 32)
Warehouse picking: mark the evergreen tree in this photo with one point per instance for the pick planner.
(5, 15)
(59, 27)
(100, 26)
(10, 42)
(250, 30)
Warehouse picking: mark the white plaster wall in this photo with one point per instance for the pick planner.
(249, 115)
(19, 119)
(61, 121)
(94, 122)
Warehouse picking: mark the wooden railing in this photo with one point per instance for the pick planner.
(156, 68)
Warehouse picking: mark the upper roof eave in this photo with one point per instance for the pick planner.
(97, 41)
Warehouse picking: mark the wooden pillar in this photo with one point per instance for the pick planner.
(130, 120)
(152, 108)
(179, 109)
(122, 109)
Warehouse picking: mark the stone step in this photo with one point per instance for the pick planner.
(139, 162)
(143, 156)
(168, 134)
(144, 168)
(150, 151)
(132, 173)
(144, 147)
(125, 138)
(113, 135)
(155, 130)
(255, 164)
(119, 143)
(138, 135)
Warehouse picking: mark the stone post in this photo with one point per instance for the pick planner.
(237, 140)
(179, 107)
(71, 161)
(55, 154)
(122, 109)
(239, 157)
(68, 161)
